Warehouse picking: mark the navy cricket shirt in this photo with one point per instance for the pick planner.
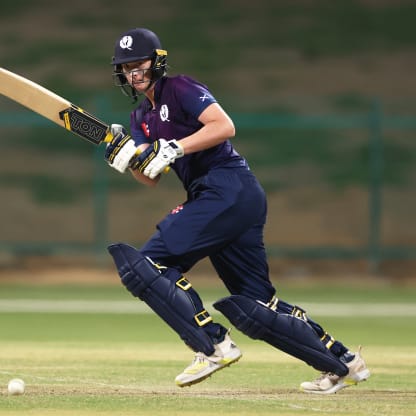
(179, 102)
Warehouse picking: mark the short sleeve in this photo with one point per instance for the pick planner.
(193, 96)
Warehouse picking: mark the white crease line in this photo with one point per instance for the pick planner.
(72, 306)
(63, 380)
(136, 307)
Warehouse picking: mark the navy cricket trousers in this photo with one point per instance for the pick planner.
(223, 218)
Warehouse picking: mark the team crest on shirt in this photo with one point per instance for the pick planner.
(164, 113)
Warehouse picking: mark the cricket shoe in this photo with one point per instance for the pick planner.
(329, 383)
(225, 354)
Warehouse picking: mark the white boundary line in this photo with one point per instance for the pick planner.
(137, 307)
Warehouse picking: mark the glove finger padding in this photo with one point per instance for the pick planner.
(143, 159)
(120, 151)
(115, 146)
(156, 158)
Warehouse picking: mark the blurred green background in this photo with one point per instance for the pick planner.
(322, 93)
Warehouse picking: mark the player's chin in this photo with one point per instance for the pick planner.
(142, 86)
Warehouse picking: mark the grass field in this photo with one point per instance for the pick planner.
(87, 350)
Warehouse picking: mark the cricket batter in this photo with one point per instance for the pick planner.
(179, 124)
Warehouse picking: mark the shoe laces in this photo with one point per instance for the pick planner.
(200, 357)
(323, 376)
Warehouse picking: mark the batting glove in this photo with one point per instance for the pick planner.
(121, 149)
(157, 157)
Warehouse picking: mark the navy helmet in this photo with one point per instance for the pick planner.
(137, 45)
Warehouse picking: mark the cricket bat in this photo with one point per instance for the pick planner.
(53, 107)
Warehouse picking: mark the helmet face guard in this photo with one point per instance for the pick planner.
(138, 45)
(120, 80)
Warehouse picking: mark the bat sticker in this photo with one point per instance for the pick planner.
(84, 124)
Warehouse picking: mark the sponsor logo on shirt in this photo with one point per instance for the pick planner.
(177, 210)
(145, 128)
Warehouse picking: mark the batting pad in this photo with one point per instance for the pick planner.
(285, 332)
(172, 303)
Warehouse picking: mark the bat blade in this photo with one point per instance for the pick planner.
(55, 108)
(32, 95)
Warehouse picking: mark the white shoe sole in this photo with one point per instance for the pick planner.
(192, 379)
(346, 382)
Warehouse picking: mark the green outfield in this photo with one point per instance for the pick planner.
(85, 350)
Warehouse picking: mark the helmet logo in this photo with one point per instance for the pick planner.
(126, 42)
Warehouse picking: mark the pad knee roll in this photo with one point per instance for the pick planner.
(169, 299)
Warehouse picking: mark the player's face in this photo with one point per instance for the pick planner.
(138, 74)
